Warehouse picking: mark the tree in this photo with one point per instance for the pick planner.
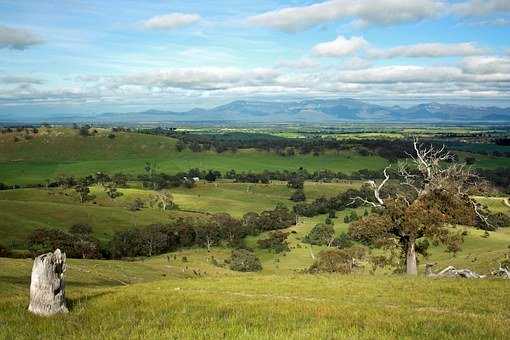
(320, 235)
(102, 178)
(162, 199)
(179, 146)
(81, 229)
(296, 182)
(84, 131)
(83, 192)
(343, 261)
(431, 195)
(119, 179)
(211, 176)
(208, 235)
(112, 191)
(243, 260)
(276, 241)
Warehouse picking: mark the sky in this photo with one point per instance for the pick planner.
(78, 57)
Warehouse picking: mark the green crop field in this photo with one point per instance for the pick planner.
(62, 151)
(58, 151)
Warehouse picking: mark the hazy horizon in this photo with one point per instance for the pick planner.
(88, 57)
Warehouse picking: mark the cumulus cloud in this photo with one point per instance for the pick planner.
(17, 38)
(428, 50)
(339, 47)
(377, 12)
(343, 46)
(171, 21)
(481, 7)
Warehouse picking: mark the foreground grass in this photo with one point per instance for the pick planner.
(254, 306)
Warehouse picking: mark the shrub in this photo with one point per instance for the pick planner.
(277, 242)
(243, 260)
(43, 240)
(4, 251)
(136, 205)
(321, 234)
(343, 261)
(342, 241)
(298, 196)
(81, 229)
(499, 220)
(353, 216)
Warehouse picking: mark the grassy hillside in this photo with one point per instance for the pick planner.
(23, 210)
(62, 151)
(154, 299)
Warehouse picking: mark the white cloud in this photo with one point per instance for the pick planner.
(476, 77)
(343, 46)
(378, 12)
(498, 22)
(486, 65)
(355, 63)
(481, 7)
(339, 47)
(204, 78)
(17, 38)
(171, 21)
(428, 50)
(299, 64)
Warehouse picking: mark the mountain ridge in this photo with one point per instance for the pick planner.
(306, 110)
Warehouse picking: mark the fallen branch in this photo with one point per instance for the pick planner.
(451, 271)
(502, 272)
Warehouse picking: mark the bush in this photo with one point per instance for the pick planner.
(497, 220)
(353, 216)
(4, 251)
(277, 242)
(81, 229)
(320, 235)
(44, 240)
(243, 260)
(298, 196)
(342, 241)
(136, 205)
(343, 261)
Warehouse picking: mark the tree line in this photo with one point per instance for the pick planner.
(215, 230)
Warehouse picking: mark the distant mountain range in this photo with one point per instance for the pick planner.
(313, 110)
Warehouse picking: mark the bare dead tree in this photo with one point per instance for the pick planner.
(426, 171)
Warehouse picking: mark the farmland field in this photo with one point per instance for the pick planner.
(191, 292)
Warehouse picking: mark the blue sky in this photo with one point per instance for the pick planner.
(84, 57)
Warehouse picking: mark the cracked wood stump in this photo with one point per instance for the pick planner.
(47, 284)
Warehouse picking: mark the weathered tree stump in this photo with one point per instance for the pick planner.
(47, 284)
